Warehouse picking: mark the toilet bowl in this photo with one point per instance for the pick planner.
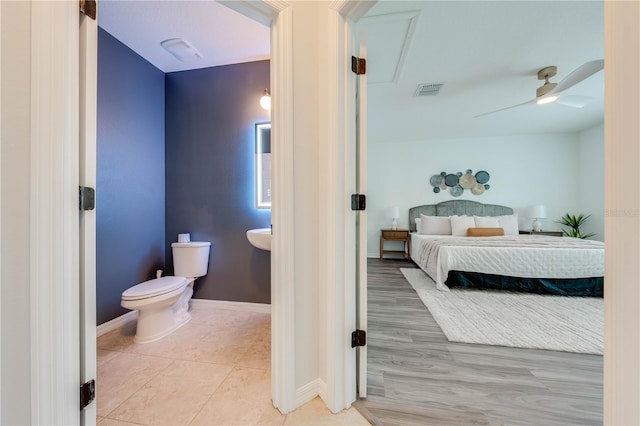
(163, 303)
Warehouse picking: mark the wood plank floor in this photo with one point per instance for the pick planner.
(417, 377)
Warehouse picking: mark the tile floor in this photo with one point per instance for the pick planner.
(215, 370)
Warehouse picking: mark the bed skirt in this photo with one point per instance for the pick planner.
(588, 287)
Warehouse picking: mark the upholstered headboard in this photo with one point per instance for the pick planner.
(456, 207)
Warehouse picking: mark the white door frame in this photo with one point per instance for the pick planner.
(54, 218)
(337, 269)
(362, 159)
(88, 67)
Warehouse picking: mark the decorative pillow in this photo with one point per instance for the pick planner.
(460, 224)
(418, 225)
(435, 225)
(485, 232)
(509, 223)
(486, 221)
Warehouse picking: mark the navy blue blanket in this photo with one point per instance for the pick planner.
(590, 287)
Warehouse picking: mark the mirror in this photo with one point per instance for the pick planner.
(263, 165)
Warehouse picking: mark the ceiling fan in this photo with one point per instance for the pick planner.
(550, 92)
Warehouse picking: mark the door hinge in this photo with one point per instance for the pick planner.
(87, 393)
(358, 338)
(87, 198)
(89, 8)
(358, 202)
(358, 65)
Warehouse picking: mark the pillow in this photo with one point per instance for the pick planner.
(485, 232)
(435, 225)
(418, 225)
(486, 221)
(509, 223)
(460, 224)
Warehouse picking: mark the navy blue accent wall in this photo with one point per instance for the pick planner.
(130, 193)
(210, 118)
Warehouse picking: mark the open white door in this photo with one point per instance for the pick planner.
(361, 220)
(88, 64)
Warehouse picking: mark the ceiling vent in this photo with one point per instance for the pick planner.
(181, 49)
(428, 89)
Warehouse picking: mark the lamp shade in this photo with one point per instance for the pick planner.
(394, 212)
(538, 212)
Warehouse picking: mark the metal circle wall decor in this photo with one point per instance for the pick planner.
(456, 191)
(477, 189)
(436, 180)
(467, 181)
(482, 176)
(451, 180)
(458, 182)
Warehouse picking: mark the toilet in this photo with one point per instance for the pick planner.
(163, 303)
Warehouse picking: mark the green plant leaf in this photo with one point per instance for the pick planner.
(574, 222)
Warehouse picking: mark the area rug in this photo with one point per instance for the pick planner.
(521, 320)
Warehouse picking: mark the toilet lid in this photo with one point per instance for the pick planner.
(153, 288)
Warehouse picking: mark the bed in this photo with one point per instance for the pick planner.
(525, 263)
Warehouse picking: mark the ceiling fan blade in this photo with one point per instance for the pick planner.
(583, 72)
(532, 101)
(573, 101)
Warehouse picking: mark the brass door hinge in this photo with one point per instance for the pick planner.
(89, 8)
(358, 65)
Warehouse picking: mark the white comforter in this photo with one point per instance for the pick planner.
(526, 256)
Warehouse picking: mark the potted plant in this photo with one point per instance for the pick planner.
(574, 222)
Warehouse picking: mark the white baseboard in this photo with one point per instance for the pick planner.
(264, 308)
(322, 389)
(116, 323)
(309, 391)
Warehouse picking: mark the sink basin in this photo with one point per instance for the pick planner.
(260, 238)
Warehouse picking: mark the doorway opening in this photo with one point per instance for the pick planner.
(175, 156)
(410, 139)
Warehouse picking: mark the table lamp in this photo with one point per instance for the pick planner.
(394, 212)
(537, 212)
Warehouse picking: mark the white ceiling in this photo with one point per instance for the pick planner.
(220, 34)
(486, 53)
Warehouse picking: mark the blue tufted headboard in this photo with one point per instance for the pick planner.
(456, 207)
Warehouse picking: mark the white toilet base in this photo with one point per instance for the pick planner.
(162, 317)
(155, 324)
(181, 307)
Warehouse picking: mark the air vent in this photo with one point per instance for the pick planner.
(428, 89)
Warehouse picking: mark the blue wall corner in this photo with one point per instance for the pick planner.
(130, 190)
(210, 118)
(175, 154)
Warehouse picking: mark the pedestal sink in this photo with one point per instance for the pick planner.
(260, 238)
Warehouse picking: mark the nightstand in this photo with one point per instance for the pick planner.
(396, 235)
(549, 233)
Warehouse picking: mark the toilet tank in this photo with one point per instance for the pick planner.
(191, 259)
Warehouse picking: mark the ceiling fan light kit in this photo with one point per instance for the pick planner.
(545, 74)
(546, 99)
(549, 92)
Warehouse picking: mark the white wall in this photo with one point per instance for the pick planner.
(591, 179)
(525, 170)
(15, 194)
